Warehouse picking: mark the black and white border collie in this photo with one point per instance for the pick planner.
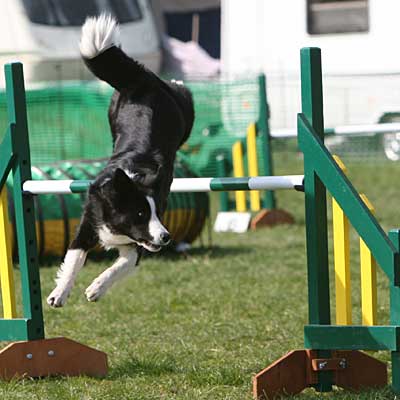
(149, 120)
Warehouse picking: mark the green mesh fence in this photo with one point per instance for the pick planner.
(68, 120)
(368, 147)
(224, 109)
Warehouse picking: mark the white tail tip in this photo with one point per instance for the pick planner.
(98, 35)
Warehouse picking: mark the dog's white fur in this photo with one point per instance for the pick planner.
(109, 240)
(73, 262)
(125, 264)
(98, 35)
(75, 259)
(66, 275)
(156, 228)
(130, 174)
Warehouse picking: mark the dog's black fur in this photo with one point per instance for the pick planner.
(149, 120)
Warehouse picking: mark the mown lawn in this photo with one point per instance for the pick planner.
(200, 325)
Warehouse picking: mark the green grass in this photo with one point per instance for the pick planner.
(199, 326)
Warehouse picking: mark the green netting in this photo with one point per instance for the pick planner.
(224, 109)
(68, 120)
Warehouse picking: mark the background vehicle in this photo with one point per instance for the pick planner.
(361, 68)
(44, 35)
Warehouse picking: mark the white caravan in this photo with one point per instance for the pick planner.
(44, 35)
(360, 59)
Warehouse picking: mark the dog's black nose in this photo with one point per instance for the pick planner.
(165, 238)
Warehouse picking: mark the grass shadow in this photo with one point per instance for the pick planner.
(210, 252)
(149, 367)
(215, 252)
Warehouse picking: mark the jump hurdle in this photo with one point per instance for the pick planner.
(252, 167)
(256, 204)
(30, 354)
(255, 148)
(331, 355)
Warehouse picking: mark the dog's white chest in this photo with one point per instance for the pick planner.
(110, 240)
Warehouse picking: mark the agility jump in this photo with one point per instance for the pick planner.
(330, 357)
(38, 356)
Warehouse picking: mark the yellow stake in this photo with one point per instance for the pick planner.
(341, 248)
(6, 265)
(238, 171)
(255, 203)
(368, 278)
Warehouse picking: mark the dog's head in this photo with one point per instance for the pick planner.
(129, 209)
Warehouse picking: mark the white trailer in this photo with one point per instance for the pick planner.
(361, 66)
(44, 35)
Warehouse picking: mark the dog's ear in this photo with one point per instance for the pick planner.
(146, 174)
(121, 180)
(118, 182)
(99, 184)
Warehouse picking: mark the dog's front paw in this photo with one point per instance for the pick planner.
(96, 290)
(58, 297)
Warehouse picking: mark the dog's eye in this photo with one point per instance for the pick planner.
(140, 214)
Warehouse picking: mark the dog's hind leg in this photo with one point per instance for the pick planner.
(125, 264)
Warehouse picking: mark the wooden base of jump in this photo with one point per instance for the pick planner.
(299, 370)
(48, 357)
(270, 218)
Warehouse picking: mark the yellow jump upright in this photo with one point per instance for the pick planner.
(341, 250)
(342, 268)
(368, 278)
(6, 265)
(252, 162)
(238, 172)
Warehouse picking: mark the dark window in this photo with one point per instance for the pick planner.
(180, 26)
(337, 16)
(74, 12)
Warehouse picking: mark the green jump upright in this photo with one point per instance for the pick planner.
(331, 356)
(31, 355)
(269, 200)
(15, 158)
(315, 206)
(270, 214)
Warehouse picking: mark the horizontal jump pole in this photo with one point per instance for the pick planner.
(356, 130)
(178, 184)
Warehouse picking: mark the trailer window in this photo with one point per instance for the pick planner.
(74, 12)
(337, 16)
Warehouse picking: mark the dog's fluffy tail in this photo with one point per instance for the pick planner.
(101, 53)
